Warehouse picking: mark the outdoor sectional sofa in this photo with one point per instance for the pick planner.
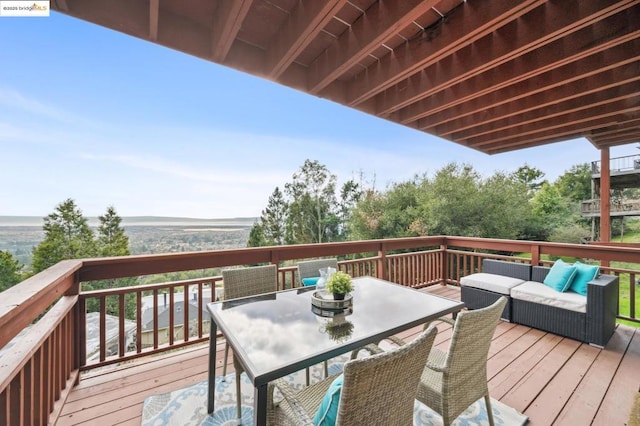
(589, 318)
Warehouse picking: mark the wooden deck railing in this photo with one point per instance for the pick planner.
(39, 369)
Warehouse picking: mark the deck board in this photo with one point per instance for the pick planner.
(616, 405)
(522, 394)
(551, 379)
(583, 405)
(501, 384)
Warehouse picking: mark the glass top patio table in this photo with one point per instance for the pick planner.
(276, 334)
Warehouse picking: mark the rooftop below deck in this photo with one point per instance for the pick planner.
(551, 379)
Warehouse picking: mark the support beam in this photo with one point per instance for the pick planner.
(470, 22)
(558, 115)
(379, 23)
(601, 71)
(565, 124)
(524, 47)
(302, 27)
(154, 12)
(226, 24)
(605, 196)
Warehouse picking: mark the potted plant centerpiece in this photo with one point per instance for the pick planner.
(339, 284)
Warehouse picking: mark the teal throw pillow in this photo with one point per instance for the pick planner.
(584, 274)
(560, 276)
(310, 281)
(328, 410)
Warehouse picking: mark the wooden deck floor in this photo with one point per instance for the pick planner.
(551, 379)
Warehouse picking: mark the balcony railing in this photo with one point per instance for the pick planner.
(622, 207)
(46, 360)
(618, 164)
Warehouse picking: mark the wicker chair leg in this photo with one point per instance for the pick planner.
(224, 361)
(326, 369)
(307, 374)
(487, 401)
(238, 397)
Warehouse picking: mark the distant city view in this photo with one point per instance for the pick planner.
(147, 234)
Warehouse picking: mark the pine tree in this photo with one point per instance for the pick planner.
(112, 241)
(10, 271)
(273, 219)
(67, 236)
(112, 238)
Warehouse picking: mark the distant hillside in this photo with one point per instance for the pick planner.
(139, 221)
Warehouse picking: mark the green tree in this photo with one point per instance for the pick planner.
(112, 240)
(312, 217)
(307, 211)
(503, 208)
(10, 271)
(67, 236)
(350, 193)
(532, 177)
(274, 218)
(457, 201)
(551, 208)
(392, 213)
(450, 201)
(256, 235)
(575, 184)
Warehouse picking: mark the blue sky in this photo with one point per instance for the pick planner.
(107, 119)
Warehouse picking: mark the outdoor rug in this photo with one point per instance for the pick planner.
(188, 406)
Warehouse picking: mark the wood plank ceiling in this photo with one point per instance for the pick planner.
(493, 75)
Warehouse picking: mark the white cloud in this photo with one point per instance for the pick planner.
(13, 99)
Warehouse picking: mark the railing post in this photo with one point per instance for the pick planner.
(80, 328)
(443, 266)
(535, 255)
(381, 268)
(275, 260)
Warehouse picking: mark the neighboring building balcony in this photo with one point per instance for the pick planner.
(591, 208)
(48, 375)
(624, 172)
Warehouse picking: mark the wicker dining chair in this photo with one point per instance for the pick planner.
(243, 282)
(455, 379)
(311, 268)
(379, 389)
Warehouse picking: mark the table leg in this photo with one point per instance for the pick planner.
(260, 405)
(212, 366)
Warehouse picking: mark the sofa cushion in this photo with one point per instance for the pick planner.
(560, 276)
(491, 282)
(535, 292)
(585, 273)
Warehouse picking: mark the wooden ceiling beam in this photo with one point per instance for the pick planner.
(581, 123)
(613, 130)
(61, 5)
(544, 59)
(154, 11)
(547, 110)
(379, 23)
(517, 38)
(529, 144)
(226, 24)
(621, 137)
(585, 117)
(625, 132)
(303, 25)
(470, 22)
(596, 72)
